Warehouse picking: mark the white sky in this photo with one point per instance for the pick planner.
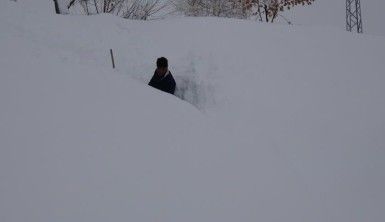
(332, 13)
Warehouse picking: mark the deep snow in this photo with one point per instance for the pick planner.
(286, 123)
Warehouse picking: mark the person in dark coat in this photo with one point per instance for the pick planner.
(163, 79)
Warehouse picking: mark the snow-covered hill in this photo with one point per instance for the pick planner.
(279, 124)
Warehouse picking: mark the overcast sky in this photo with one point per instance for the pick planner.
(332, 13)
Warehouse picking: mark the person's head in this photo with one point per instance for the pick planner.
(162, 66)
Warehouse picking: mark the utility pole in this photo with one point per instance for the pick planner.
(353, 16)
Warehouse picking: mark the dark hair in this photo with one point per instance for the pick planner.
(162, 62)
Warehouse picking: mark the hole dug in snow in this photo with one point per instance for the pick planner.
(198, 93)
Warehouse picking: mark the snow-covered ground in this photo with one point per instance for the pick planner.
(281, 123)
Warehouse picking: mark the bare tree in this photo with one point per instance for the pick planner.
(130, 9)
(271, 8)
(265, 10)
(219, 8)
(57, 9)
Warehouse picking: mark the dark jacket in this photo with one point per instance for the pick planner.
(165, 83)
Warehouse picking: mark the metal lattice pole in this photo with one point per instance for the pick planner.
(353, 16)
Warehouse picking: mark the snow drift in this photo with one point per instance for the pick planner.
(286, 123)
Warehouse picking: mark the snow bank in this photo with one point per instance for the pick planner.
(289, 127)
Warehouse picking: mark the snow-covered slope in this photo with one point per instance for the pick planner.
(286, 123)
